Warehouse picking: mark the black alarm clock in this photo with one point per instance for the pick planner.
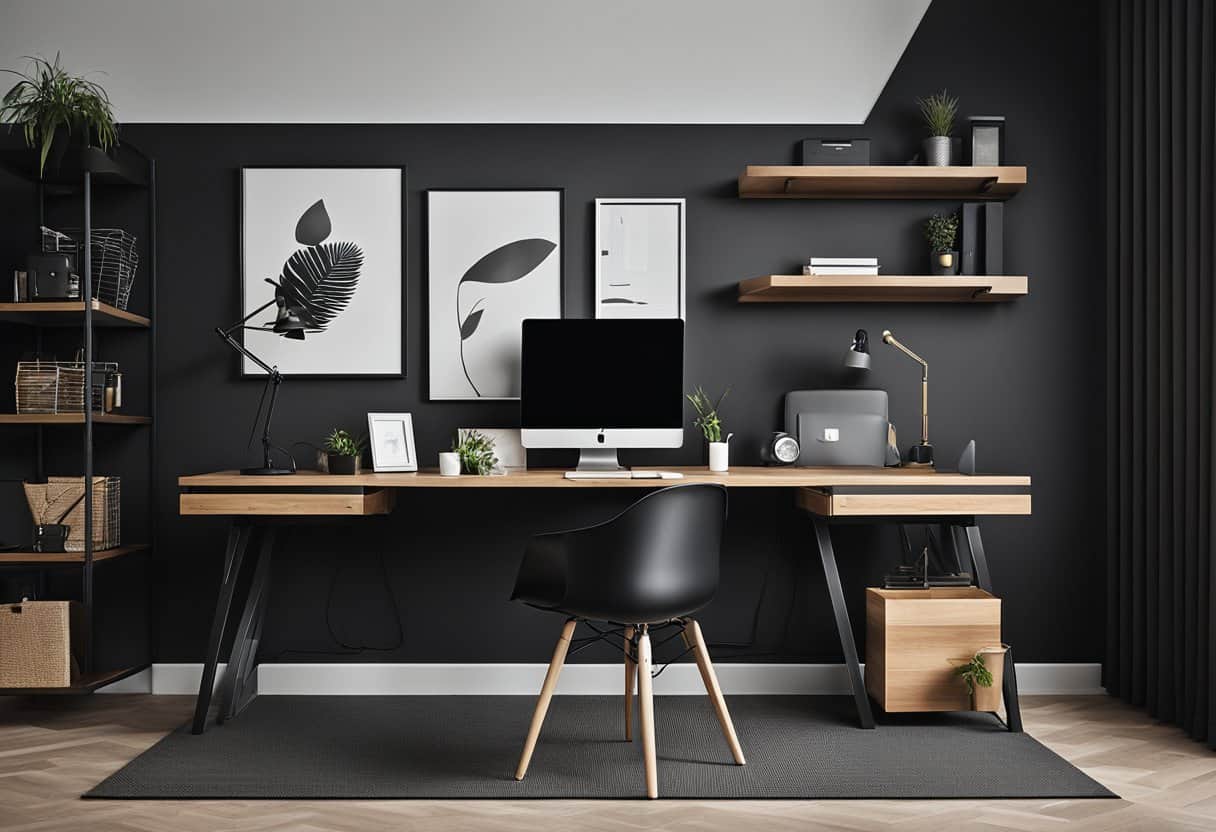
(781, 449)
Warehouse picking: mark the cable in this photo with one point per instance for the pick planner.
(353, 649)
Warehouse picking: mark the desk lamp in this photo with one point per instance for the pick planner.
(287, 323)
(858, 356)
(918, 455)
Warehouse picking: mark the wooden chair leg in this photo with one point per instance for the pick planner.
(714, 690)
(631, 675)
(546, 694)
(646, 709)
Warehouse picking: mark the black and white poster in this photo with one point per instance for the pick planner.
(323, 247)
(494, 258)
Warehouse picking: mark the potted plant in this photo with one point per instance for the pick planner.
(55, 108)
(938, 111)
(342, 452)
(941, 230)
(476, 452)
(710, 424)
(983, 675)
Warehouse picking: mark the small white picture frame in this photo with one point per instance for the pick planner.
(391, 437)
(639, 257)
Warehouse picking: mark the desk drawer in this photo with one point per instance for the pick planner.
(831, 504)
(287, 503)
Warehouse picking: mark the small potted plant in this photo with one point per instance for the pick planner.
(342, 452)
(710, 423)
(941, 230)
(983, 675)
(938, 111)
(476, 452)
(55, 108)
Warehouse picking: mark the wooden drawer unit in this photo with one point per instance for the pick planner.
(845, 503)
(916, 637)
(357, 502)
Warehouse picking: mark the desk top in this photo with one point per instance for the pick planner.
(737, 477)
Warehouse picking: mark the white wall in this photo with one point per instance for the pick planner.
(355, 61)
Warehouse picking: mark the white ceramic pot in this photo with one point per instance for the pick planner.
(719, 456)
(937, 151)
(449, 464)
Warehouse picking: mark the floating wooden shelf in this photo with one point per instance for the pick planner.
(880, 182)
(67, 558)
(71, 419)
(830, 288)
(87, 683)
(68, 313)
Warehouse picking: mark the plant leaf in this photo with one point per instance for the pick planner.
(510, 262)
(314, 225)
(470, 324)
(319, 281)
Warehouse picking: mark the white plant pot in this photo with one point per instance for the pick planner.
(719, 456)
(449, 464)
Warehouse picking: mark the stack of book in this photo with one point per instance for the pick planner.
(841, 265)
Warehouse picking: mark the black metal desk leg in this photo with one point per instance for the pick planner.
(983, 580)
(843, 628)
(238, 540)
(240, 683)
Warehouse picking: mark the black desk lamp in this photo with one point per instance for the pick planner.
(288, 324)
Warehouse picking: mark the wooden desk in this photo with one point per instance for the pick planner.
(875, 494)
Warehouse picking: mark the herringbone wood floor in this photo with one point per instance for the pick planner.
(54, 749)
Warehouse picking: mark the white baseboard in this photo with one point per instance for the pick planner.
(525, 679)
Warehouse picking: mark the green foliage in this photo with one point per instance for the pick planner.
(707, 413)
(342, 443)
(48, 97)
(938, 111)
(941, 230)
(476, 452)
(974, 672)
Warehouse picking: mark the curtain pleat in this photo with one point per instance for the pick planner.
(1160, 190)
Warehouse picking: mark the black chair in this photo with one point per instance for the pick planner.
(648, 569)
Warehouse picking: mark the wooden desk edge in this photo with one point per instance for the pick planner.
(739, 477)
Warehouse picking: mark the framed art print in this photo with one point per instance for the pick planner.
(494, 259)
(639, 261)
(324, 246)
(391, 437)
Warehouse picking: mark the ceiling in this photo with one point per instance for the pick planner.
(479, 61)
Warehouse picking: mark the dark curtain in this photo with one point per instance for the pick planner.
(1161, 430)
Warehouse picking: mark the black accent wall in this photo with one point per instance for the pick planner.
(1023, 379)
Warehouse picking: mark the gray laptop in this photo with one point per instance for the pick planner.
(838, 427)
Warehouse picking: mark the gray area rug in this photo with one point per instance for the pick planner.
(462, 747)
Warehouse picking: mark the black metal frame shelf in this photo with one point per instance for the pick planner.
(79, 173)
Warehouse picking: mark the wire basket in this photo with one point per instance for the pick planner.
(49, 500)
(114, 260)
(58, 386)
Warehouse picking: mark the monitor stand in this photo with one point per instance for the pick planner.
(598, 460)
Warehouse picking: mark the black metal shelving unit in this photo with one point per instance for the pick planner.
(83, 172)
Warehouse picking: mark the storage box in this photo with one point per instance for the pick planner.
(39, 643)
(835, 151)
(49, 500)
(916, 637)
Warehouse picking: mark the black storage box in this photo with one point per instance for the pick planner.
(835, 151)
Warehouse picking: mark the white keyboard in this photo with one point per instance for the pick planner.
(624, 475)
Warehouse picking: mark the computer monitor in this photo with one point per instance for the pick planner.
(602, 384)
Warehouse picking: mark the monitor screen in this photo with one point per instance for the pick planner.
(589, 373)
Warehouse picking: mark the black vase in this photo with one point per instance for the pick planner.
(339, 464)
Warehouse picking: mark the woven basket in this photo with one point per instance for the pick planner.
(58, 386)
(49, 500)
(36, 643)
